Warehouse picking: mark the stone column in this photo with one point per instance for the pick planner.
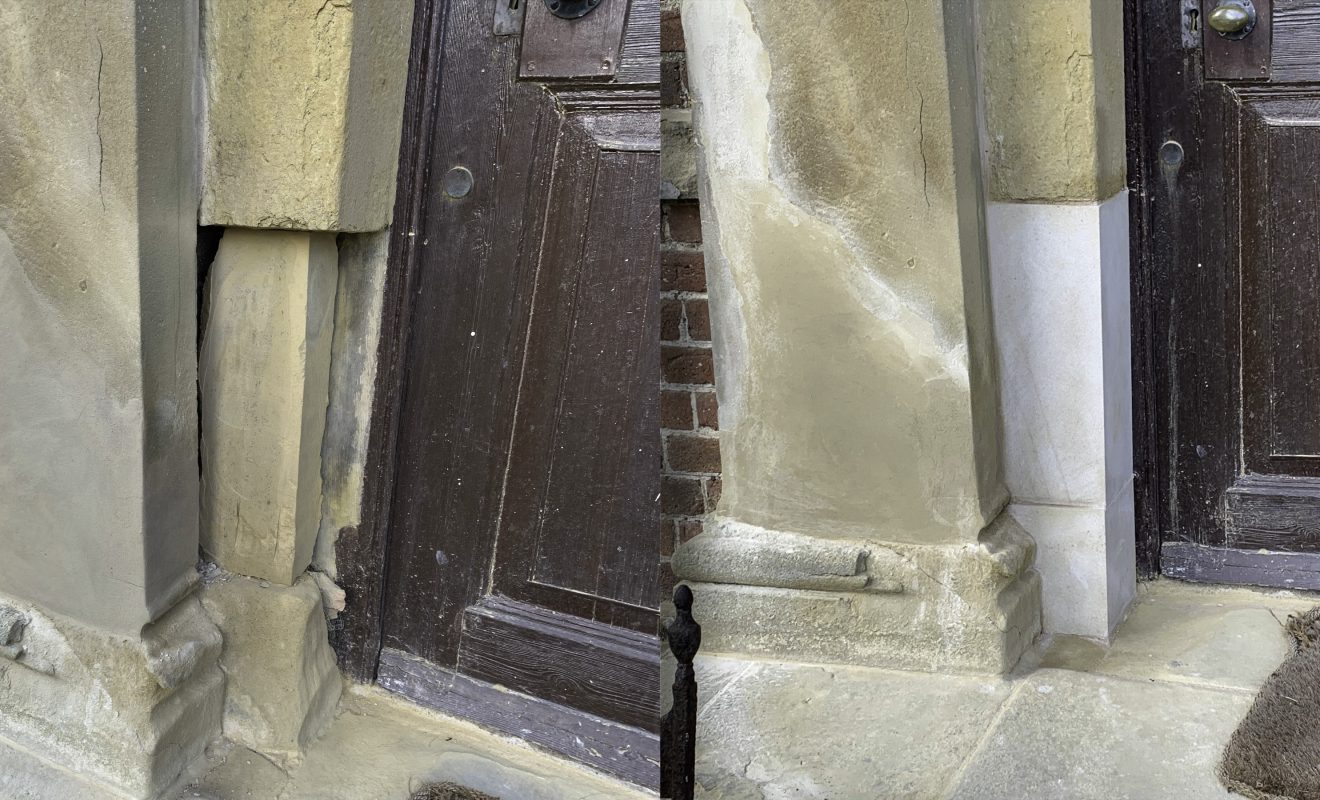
(108, 665)
(861, 517)
(1058, 233)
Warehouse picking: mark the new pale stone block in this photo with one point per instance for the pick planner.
(265, 376)
(304, 108)
(283, 685)
(1059, 275)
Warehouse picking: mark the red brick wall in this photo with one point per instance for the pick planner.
(690, 477)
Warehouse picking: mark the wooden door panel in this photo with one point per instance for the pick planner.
(521, 537)
(1280, 232)
(1232, 158)
(565, 533)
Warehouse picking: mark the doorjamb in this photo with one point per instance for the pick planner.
(361, 554)
(1146, 455)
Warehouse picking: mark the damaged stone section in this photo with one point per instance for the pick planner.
(965, 608)
(734, 552)
(284, 685)
(304, 108)
(131, 714)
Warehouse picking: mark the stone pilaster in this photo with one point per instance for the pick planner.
(108, 665)
(844, 214)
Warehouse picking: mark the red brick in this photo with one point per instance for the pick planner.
(668, 535)
(682, 222)
(671, 31)
(698, 320)
(682, 271)
(667, 580)
(687, 364)
(676, 410)
(688, 529)
(671, 320)
(708, 410)
(681, 496)
(673, 81)
(714, 487)
(693, 453)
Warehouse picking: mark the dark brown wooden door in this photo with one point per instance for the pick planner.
(522, 534)
(1229, 160)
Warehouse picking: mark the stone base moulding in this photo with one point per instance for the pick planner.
(132, 715)
(966, 608)
(283, 684)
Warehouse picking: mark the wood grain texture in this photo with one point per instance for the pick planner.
(599, 669)
(1274, 513)
(1225, 296)
(1296, 51)
(619, 750)
(1202, 564)
(548, 268)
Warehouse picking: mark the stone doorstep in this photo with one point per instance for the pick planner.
(382, 746)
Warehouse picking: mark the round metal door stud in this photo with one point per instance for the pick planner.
(1233, 19)
(457, 182)
(571, 9)
(1171, 153)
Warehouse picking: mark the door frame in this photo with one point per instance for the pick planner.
(1147, 492)
(361, 554)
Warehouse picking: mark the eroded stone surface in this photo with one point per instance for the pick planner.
(106, 709)
(1054, 98)
(265, 377)
(362, 263)
(304, 104)
(973, 607)
(283, 681)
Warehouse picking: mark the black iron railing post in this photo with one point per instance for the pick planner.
(678, 728)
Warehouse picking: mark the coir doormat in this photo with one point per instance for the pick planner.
(449, 791)
(1275, 752)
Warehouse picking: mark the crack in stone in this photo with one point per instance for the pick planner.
(100, 143)
(921, 101)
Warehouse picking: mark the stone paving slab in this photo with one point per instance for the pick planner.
(1216, 636)
(785, 731)
(1072, 736)
(382, 748)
